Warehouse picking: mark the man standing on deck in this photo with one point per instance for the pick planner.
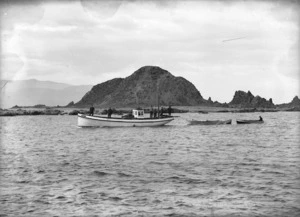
(151, 112)
(162, 111)
(154, 113)
(109, 112)
(169, 110)
(92, 109)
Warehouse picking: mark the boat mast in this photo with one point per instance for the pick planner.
(157, 94)
(137, 99)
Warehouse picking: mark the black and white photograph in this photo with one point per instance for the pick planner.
(148, 108)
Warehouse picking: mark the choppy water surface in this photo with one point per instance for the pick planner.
(49, 167)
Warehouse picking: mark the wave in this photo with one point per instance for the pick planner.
(23, 181)
(196, 195)
(186, 180)
(115, 198)
(100, 173)
(124, 175)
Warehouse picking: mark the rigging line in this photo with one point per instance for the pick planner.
(4, 85)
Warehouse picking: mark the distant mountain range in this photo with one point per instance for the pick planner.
(149, 85)
(32, 92)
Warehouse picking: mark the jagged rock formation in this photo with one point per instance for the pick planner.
(212, 103)
(146, 86)
(295, 102)
(294, 105)
(242, 99)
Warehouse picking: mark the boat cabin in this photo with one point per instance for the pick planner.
(138, 113)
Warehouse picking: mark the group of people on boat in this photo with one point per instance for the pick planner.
(92, 110)
(155, 114)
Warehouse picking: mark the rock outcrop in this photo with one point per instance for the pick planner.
(242, 99)
(295, 101)
(145, 87)
(294, 105)
(70, 104)
(211, 103)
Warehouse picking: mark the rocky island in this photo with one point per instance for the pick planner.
(149, 85)
(242, 99)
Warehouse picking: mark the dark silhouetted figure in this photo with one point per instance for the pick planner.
(154, 113)
(151, 112)
(162, 111)
(109, 112)
(260, 118)
(169, 110)
(92, 109)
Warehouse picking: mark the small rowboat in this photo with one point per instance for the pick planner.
(138, 120)
(249, 121)
(217, 122)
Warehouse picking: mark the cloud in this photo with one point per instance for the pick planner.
(38, 27)
(11, 63)
(16, 12)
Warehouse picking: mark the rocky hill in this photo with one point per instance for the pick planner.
(144, 87)
(242, 99)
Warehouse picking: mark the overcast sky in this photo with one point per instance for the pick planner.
(220, 46)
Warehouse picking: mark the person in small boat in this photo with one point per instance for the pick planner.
(169, 110)
(151, 112)
(260, 118)
(109, 112)
(92, 109)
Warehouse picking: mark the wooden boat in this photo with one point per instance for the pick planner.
(217, 122)
(249, 121)
(138, 120)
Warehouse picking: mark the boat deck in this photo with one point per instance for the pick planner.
(126, 118)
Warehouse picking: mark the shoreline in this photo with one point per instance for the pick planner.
(33, 111)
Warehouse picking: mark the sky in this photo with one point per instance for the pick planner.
(219, 46)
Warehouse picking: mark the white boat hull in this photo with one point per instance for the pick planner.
(99, 121)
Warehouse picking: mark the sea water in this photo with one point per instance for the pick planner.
(50, 167)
